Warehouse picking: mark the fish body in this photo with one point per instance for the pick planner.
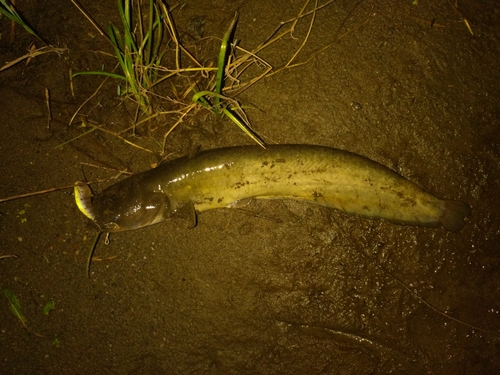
(225, 177)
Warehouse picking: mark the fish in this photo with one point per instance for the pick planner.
(233, 176)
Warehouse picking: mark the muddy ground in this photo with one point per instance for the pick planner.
(296, 288)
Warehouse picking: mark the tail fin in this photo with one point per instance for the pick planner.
(454, 214)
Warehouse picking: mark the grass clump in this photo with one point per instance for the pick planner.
(141, 47)
(137, 49)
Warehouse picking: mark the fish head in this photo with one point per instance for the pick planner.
(126, 206)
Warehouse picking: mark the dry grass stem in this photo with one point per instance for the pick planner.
(120, 172)
(27, 195)
(88, 17)
(86, 101)
(33, 53)
(8, 256)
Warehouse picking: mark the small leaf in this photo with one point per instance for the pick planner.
(56, 343)
(15, 306)
(48, 307)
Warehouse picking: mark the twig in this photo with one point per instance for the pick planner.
(72, 88)
(455, 7)
(31, 54)
(8, 256)
(40, 192)
(87, 100)
(27, 195)
(306, 37)
(179, 120)
(107, 169)
(47, 102)
(91, 20)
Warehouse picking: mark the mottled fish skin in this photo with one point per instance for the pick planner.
(222, 177)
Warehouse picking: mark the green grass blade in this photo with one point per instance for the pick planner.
(127, 13)
(243, 127)
(78, 136)
(199, 97)
(124, 58)
(11, 13)
(15, 306)
(130, 55)
(48, 307)
(116, 41)
(100, 73)
(149, 35)
(158, 25)
(221, 65)
(129, 40)
(124, 13)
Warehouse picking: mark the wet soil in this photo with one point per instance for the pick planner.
(281, 287)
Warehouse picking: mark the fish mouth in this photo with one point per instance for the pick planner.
(83, 199)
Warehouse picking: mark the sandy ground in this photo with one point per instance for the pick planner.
(296, 288)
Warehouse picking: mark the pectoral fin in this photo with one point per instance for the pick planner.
(241, 203)
(187, 213)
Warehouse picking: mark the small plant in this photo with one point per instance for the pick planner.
(217, 108)
(138, 49)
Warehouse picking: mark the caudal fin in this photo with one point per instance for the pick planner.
(454, 214)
